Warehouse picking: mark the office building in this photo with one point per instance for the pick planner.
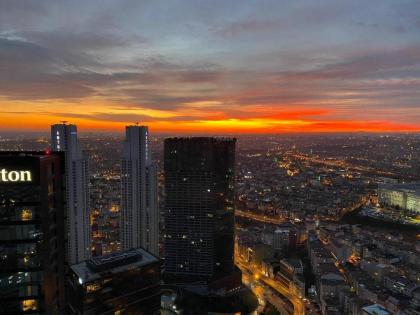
(139, 207)
(78, 234)
(404, 196)
(32, 203)
(199, 208)
(126, 282)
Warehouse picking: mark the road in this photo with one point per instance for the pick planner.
(258, 217)
(295, 300)
(363, 201)
(263, 293)
(342, 164)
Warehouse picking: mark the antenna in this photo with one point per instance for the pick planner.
(63, 122)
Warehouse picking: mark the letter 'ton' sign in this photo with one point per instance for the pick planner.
(15, 176)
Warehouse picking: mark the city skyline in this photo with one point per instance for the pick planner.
(323, 224)
(211, 67)
(187, 157)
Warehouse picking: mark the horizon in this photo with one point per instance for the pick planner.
(86, 133)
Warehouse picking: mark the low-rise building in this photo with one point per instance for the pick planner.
(375, 309)
(400, 284)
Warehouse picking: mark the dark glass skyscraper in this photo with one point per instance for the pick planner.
(31, 233)
(199, 208)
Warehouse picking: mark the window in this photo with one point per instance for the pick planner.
(92, 287)
(26, 214)
(29, 305)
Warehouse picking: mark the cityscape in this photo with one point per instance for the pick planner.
(315, 230)
(210, 157)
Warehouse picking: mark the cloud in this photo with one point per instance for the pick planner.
(193, 62)
(247, 26)
(83, 42)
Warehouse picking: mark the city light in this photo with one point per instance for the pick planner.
(210, 157)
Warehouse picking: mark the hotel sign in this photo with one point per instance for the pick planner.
(14, 176)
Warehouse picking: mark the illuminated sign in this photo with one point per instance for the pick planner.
(15, 176)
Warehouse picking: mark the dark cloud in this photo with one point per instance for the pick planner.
(368, 65)
(29, 71)
(246, 26)
(80, 42)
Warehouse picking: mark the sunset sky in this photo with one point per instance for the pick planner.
(211, 66)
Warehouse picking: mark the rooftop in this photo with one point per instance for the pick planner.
(376, 309)
(94, 268)
(408, 187)
(293, 262)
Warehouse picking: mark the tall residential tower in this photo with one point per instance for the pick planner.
(199, 208)
(139, 207)
(64, 138)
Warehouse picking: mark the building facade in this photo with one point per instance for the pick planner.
(404, 196)
(64, 139)
(199, 208)
(32, 204)
(139, 201)
(126, 282)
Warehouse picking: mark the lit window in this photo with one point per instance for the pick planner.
(29, 305)
(92, 287)
(26, 214)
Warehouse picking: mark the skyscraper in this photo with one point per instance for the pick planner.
(139, 208)
(64, 138)
(199, 208)
(32, 201)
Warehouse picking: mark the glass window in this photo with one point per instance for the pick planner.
(29, 305)
(26, 214)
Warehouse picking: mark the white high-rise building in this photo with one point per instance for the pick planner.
(64, 138)
(139, 206)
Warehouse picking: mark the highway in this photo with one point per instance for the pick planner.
(364, 200)
(263, 293)
(258, 217)
(295, 300)
(341, 164)
(277, 221)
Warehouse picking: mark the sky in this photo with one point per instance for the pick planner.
(201, 66)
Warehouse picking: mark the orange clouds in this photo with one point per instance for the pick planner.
(289, 121)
